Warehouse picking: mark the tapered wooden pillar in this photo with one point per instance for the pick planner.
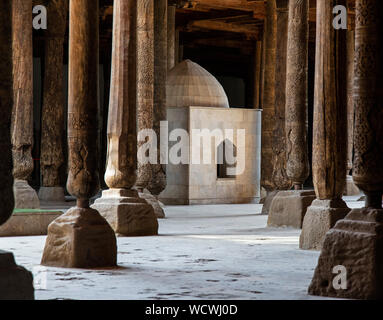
(351, 188)
(356, 241)
(81, 238)
(15, 282)
(53, 110)
(289, 207)
(279, 176)
(22, 115)
(120, 205)
(269, 95)
(171, 37)
(330, 129)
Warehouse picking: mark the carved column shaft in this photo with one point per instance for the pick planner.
(52, 122)
(158, 180)
(269, 95)
(145, 79)
(22, 115)
(122, 132)
(171, 36)
(296, 93)
(6, 102)
(350, 98)
(280, 178)
(368, 100)
(330, 106)
(83, 181)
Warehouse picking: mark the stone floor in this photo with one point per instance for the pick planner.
(203, 252)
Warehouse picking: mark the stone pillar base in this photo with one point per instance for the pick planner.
(16, 283)
(153, 201)
(351, 189)
(54, 194)
(25, 196)
(127, 214)
(288, 208)
(267, 202)
(357, 244)
(80, 238)
(320, 217)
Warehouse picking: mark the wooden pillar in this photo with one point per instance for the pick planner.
(82, 229)
(269, 95)
(22, 115)
(15, 282)
(330, 129)
(296, 97)
(53, 110)
(171, 37)
(351, 188)
(257, 74)
(145, 81)
(289, 207)
(279, 176)
(121, 206)
(355, 242)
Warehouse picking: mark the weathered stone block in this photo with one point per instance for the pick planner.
(127, 214)
(16, 283)
(25, 196)
(152, 200)
(351, 189)
(320, 217)
(288, 208)
(267, 202)
(34, 223)
(80, 238)
(55, 194)
(356, 243)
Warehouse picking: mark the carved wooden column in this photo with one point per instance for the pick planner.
(22, 115)
(351, 188)
(269, 95)
(330, 129)
(52, 122)
(171, 36)
(158, 180)
(145, 81)
(15, 282)
(356, 241)
(268, 103)
(81, 238)
(120, 205)
(279, 176)
(289, 207)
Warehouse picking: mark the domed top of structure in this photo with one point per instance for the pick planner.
(189, 84)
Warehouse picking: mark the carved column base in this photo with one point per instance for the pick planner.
(80, 238)
(320, 217)
(351, 189)
(153, 201)
(54, 194)
(288, 208)
(267, 201)
(357, 244)
(16, 283)
(25, 196)
(127, 214)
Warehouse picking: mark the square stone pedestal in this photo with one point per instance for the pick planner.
(267, 202)
(16, 283)
(356, 244)
(25, 196)
(288, 208)
(28, 223)
(153, 201)
(53, 194)
(127, 213)
(80, 238)
(320, 217)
